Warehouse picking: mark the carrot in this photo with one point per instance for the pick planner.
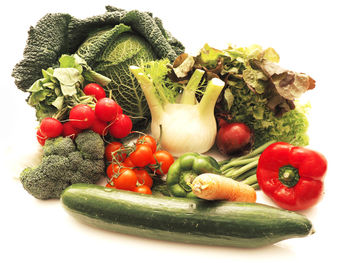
(216, 187)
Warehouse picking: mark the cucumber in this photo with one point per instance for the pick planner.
(183, 220)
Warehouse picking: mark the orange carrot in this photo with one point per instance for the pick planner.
(216, 187)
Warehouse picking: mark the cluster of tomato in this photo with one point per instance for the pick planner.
(106, 117)
(133, 167)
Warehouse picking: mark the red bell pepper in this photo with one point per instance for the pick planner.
(291, 176)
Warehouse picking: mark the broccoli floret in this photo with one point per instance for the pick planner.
(90, 145)
(59, 146)
(65, 162)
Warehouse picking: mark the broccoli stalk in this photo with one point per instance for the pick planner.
(65, 162)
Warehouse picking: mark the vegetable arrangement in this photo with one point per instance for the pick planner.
(121, 74)
(134, 167)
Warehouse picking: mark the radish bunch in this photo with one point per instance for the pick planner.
(106, 117)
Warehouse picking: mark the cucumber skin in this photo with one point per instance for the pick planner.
(221, 223)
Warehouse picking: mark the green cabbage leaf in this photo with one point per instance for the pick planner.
(109, 43)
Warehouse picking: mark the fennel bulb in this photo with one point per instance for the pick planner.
(187, 126)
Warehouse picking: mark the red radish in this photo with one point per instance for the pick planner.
(93, 89)
(234, 138)
(69, 130)
(100, 127)
(40, 137)
(107, 109)
(51, 127)
(81, 116)
(121, 127)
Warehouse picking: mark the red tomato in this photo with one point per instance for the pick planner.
(115, 150)
(112, 170)
(163, 160)
(93, 89)
(128, 163)
(142, 155)
(148, 140)
(143, 177)
(126, 179)
(143, 189)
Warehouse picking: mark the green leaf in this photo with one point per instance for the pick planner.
(58, 102)
(229, 98)
(37, 97)
(92, 76)
(255, 78)
(68, 90)
(68, 77)
(210, 55)
(61, 32)
(67, 61)
(36, 86)
(271, 55)
(49, 85)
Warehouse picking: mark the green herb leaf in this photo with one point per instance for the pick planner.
(36, 86)
(58, 102)
(67, 61)
(255, 79)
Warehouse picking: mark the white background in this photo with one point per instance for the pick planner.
(310, 36)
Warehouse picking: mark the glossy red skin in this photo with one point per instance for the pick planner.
(143, 189)
(143, 177)
(93, 89)
(51, 127)
(311, 165)
(164, 159)
(126, 180)
(111, 150)
(100, 127)
(106, 109)
(81, 116)
(69, 130)
(121, 126)
(40, 137)
(142, 155)
(148, 140)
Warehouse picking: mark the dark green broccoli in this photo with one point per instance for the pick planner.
(65, 162)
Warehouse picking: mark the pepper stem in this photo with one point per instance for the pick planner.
(288, 175)
(186, 179)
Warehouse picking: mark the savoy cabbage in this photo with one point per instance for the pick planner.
(109, 43)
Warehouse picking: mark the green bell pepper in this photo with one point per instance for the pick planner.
(187, 167)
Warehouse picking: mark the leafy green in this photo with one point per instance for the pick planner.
(109, 43)
(252, 94)
(121, 48)
(62, 87)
